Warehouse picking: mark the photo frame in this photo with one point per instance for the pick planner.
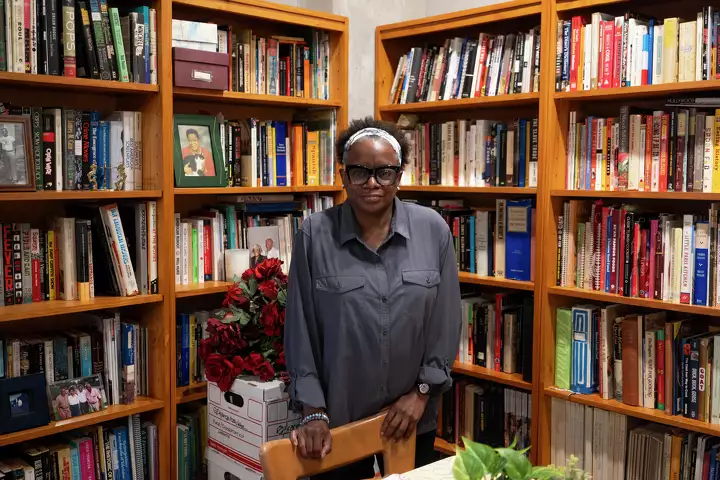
(76, 397)
(198, 156)
(17, 160)
(23, 403)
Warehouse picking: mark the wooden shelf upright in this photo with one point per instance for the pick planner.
(394, 40)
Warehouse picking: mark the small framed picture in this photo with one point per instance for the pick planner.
(198, 155)
(23, 403)
(77, 397)
(17, 165)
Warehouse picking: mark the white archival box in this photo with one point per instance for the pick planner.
(240, 421)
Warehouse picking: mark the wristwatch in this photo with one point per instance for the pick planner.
(423, 388)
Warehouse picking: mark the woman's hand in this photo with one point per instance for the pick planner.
(314, 440)
(403, 416)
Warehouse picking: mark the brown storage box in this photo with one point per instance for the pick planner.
(198, 69)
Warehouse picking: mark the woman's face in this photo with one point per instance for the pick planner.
(194, 142)
(370, 198)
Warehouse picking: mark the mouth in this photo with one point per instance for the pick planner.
(371, 198)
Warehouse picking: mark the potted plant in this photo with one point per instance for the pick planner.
(481, 462)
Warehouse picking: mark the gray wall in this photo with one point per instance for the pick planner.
(364, 16)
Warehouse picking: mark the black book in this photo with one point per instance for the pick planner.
(37, 131)
(52, 32)
(414, 70)
(109, 43)
(49, 154)
(91, 62)
(471, 52)
(628, 253)
(101, 50)
(8, 279)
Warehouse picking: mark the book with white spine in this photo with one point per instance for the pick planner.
(119, 249)
(178, 250)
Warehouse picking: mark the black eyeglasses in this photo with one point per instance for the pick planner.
(385, 176)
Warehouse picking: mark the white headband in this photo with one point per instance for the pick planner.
(373, 132)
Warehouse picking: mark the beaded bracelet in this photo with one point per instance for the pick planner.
(315, 416)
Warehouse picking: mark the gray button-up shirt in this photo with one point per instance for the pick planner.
(364, 327)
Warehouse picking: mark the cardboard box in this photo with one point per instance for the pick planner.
(250, 414)
(221, 467)
(198, 69)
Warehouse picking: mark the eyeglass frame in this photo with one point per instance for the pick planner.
(372, 173)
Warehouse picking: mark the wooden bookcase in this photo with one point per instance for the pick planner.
(553, 110)
(158, 104)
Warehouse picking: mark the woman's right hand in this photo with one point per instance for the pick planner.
(314, 440)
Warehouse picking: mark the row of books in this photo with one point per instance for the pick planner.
(82, 38)
(491, 242)
(497, 332)
(115, 349)
(660, 151)
(622, 250)
(192, 441)
(605, 449)
(278, 153)
(79, 257)
(275, 65)
(473, 153)
(607, 51)
(76, 150)
(190, 329)
(265, 225)
(127, 448)
(485, 66)
(486, 413)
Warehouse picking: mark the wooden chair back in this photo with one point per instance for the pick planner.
(352, 442)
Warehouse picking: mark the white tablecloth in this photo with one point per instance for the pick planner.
(440, 470)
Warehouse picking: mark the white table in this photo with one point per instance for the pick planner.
(440, 470)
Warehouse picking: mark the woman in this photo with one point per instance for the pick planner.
(74, 402)
(256, 256)
(373, 313)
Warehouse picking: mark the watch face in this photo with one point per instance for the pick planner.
(424, 388)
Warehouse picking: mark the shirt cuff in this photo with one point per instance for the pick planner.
(306, 391)
(439, 379)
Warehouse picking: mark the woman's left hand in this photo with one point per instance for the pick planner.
(403, 416)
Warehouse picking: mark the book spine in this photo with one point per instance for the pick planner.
(141, 247)
(69, 148)
(122, 67)
(48, 145)
(35, 265)
(87, 32)
(27, 280)
(107, 34)
(120, 248)
(100, 42)
(37, 140)
(68, 31)
(152, 238)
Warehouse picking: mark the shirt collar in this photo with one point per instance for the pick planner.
(350, 230)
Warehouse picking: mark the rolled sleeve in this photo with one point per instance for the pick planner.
(302, 345)
(443, 336)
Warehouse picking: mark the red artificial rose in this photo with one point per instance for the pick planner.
(252, 362)
(265, 371)
(281, 358)
(270, 319)
(280, 351)
(235, 296)
(268, 268)
(220, 370)
(285, 378)
(204, 349)
(239, 365)
(247, 274)
(269, 289)
(282, 278)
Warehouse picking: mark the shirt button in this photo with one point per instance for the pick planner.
(427, 279)
(382, 389)
(384, 299)
(384, 363)
(338, 285)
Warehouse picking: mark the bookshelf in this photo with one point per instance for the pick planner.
(158, 103)
(394, 40)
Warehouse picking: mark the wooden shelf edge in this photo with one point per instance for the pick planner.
(253, 98)
(81, 195)
(669, 89)
(141, 405)
(257, 190)
(567, 5)
(702, 196)
(11, 313)
(649, 414)
(196, 289)
(444, 446)
(191, 393)
(638, 302)
(473, 278)
(55, 82)
(473, 190)
(510, 379)
(464, 103)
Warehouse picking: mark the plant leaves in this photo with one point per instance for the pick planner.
(490, 463)
(252, 286)
(545, 473)
(243, 317)
(282, 297)
(229, 319)
(518, 466)
(460, 471)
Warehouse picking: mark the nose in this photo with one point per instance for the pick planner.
(371, 183)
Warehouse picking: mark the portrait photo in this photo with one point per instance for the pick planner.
(198, 157)
(16, 155)
(196, 151)
(19, 404)
(263, 243)
(77, 397)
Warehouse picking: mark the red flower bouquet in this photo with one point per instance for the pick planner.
(246, 335)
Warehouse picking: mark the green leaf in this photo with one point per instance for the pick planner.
(491, 462)
(282, 297)
(545, 473)
(460, 471)
(243, 317)
(229, 319)
(518, 466)
(252, 286)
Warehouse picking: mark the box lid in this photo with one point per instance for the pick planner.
(199, 56)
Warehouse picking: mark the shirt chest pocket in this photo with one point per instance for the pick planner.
(339, 296)
(419, 291)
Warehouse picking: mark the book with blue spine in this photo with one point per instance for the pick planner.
(104, 154)
(583, 378)
(701, 281)
(127, 346)
(651, 43)
(518, 239)
(184, 366)
(281, 158)
(123, 453)
(95, 161)
(75, 461)
(85, 356)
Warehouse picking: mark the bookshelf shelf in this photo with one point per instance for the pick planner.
(196, 289)
(648, 414)
(645, 91)
(191, 393)
(511, 379)
(638, 302)
(141, 405)
(473, 278)
(68, 84)
(701, 196)
(25, 311)
(79, 195)
(500, 101)
(569, 5)
(470, 190)
(443, 446)
(252, 99)
(258, 190)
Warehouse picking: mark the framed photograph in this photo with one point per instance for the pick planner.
(17, 165)
(23, 403)
(77, 397)
(198, 155)
(263, 242)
